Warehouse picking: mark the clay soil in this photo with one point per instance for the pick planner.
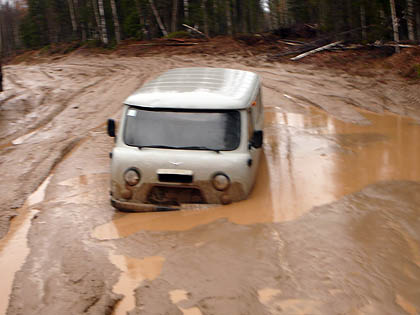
(331, 227)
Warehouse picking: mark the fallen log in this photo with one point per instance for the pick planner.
(195, 30)
(399, 45)
(166, 44)
(314, 51)
(289, 43)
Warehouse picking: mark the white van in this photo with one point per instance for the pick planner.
(192, 135)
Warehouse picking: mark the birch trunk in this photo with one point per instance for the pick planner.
(410, 20)
(228, 17)
(158, 20)
(203, 10)
(104, 34)
(363, 20)
(72, 16)
(395, 25)
(116, 22)
(186, 9)
(174, 15)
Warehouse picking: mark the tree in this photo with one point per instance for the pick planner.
(116, 22)
(395, 25)
(410, 20)
(174, 15)
(158, 19)
(205, 19)
(228, 12)
(104, 35)
(72, 15)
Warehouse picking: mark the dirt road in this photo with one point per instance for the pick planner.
(332, 226)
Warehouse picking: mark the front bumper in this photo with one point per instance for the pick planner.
(140, 207)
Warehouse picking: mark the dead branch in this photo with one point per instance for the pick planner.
(196, 30)
(166, 44)
(316, 50)
(289, 43)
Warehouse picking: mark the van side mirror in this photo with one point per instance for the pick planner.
(111, 128)
(257, 139)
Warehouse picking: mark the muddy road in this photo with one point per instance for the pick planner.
(332, 226)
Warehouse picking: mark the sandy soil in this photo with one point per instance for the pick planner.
(332, 226)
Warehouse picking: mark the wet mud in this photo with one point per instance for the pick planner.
(354, 256)
(331, 227)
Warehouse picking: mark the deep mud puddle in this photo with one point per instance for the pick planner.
(310, 159)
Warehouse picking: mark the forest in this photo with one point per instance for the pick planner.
(31, 24)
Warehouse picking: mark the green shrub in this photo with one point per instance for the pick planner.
(179, 34)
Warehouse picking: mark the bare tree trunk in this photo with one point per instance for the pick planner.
(228, 17)
(282, 12)
(323, 12)
(104, 35)
(174, 15)
(98, 23)
(158, 20)
(141, 18)
(395, 25)
(72, 16)
(363, 20)
(186, 9)
(272, 17)
(116, 22)
(418, 25)
(203, 10)
(215, 24)
(410, 20)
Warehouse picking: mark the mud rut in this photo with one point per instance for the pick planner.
(332, 226)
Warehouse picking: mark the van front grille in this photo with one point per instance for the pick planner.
(163, 195)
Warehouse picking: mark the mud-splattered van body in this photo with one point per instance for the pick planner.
(192, 135)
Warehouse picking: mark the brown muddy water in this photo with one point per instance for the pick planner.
(310, 159)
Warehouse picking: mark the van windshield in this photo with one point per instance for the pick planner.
(195, 130)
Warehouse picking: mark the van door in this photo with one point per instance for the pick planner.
(253, 152)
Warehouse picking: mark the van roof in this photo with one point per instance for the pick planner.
(198, 88)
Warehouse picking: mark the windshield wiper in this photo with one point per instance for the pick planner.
(179, 148)
(155, 146)
(199, 148)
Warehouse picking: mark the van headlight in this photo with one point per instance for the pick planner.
(221, 181)
(132, 176)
